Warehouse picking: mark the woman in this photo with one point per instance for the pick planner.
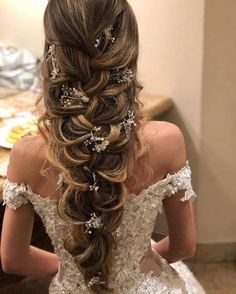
(98, 174)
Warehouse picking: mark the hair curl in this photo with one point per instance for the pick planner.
(73, 27)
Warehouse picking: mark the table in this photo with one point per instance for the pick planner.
(154, 105)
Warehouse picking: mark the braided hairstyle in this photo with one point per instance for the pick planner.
(86, 58)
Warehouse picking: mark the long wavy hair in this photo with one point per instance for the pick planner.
(72, 27)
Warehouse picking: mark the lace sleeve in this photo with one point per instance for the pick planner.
(14, 195)
(180, 180)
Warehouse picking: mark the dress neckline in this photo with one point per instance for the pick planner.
(130, 196)
(161, 181)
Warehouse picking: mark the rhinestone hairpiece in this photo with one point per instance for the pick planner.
(128, 122)
(95, 280)
(95, 222)
(108, 34)
(51, 56)
(122, 76)
(94, 186)
(70, 94)
(99, 143)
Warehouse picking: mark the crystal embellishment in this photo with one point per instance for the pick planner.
(51, 57)
(128, 122)
(69, 95)
(94, 186)
(95, 222)
(99, 143)
(106, 34)
(95, 280)
(14, 195)
(122, 76)
(132, 238)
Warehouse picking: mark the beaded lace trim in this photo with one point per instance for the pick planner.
(132, 237)
(14, 195)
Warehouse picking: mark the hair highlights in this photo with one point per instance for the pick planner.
(91, 122)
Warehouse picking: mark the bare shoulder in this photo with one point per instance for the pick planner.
(26, 159)
(167, 146)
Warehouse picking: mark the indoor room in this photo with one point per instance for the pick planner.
(117, 146)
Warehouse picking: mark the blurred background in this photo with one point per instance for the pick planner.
(188, 62)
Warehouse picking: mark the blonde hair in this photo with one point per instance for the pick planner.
(73, 27)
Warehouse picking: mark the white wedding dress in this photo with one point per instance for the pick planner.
(133, 240)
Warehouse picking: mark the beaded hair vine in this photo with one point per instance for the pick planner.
(95, 222)
(107, 34)
(122, 76)
(95, 280)
(127, 123)
(70, 95)
(51, 57)
(99, 143)
(94, 186)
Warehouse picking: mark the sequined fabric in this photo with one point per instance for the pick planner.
(132, 236)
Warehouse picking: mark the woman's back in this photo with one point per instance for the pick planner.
(164, 156)
(131, 258)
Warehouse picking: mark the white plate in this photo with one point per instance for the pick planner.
(9, 123)
(7, 112)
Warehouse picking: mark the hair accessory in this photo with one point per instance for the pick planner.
(95, 222)
(128, 122)
(122, 76)
(95, 280)
(51, 56)
(60, 181)
(70, 94)
(94, 186)
(98, 41)
(106, 34)
(99, 143)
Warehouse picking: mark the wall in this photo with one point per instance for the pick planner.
(171, 63)
(171, 35)
(216, 207)
(22, 25)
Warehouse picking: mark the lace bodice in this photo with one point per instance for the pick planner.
(132, 236)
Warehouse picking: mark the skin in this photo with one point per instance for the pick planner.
(167, 155)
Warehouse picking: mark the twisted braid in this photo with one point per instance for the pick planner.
(93, 182)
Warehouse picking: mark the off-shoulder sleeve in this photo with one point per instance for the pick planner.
(180, 180)
(14, 195)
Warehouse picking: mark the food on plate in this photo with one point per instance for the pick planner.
(20, 130)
